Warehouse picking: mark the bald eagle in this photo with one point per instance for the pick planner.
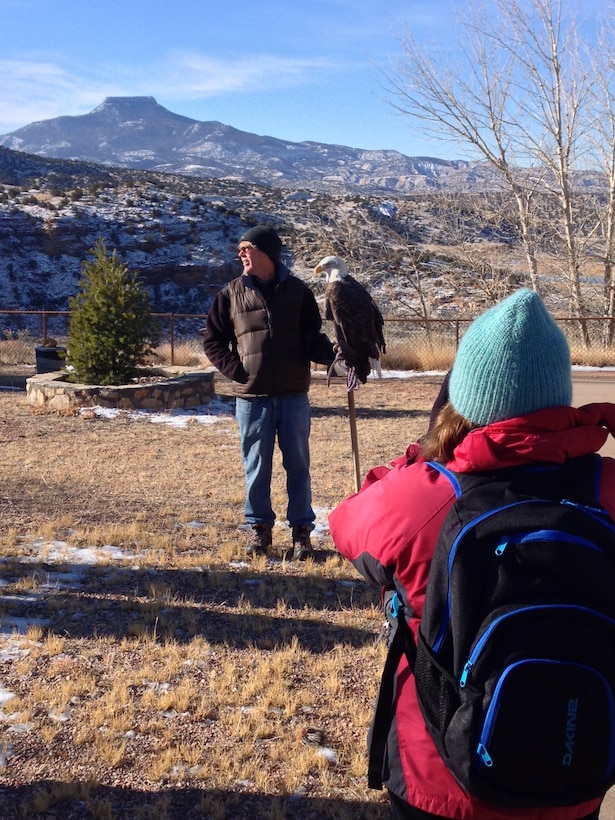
(358, 321)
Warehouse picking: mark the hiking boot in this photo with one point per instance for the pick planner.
(302, 546)
(260, 539)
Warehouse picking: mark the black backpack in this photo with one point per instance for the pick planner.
(515, 663)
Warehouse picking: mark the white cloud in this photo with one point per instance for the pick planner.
(190, 74)
(42, 88)
(38, 89)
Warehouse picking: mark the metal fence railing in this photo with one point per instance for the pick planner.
(411, 343)
(22, 330)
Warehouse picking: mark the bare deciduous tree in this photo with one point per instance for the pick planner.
(602, 142)
(474, 107)
(517, 100)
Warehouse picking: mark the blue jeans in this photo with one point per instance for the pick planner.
(260, 420)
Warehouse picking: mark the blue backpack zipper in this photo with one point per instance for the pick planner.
(480, 643)
(543, 535)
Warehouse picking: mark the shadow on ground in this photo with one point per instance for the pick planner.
(86, 801)
(319, 412)
(243, 608)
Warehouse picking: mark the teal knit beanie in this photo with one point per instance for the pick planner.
(512, 360)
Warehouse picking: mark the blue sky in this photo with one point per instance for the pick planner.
(313, 70)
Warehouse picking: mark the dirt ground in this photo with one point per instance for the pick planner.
(78, 459)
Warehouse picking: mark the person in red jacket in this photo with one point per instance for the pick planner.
(509, 397)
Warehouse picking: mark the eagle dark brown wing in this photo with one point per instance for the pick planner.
(358, 324)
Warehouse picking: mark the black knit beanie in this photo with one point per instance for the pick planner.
(265, 239)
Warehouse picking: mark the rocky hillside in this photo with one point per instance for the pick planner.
(180, 234)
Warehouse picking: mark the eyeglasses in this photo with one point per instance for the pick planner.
(247, 247)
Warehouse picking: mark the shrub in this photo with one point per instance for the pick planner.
(111, 323)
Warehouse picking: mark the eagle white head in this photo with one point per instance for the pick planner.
(333, 268)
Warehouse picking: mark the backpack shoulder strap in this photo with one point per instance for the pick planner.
(402, 643)
(449, 474)
(581, 475)
(584, 473)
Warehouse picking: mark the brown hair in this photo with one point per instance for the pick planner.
(449, 430)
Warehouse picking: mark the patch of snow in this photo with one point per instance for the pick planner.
(6, 696)
(583, 368)
(328, 753)
(20, 728)
(202, 414)
(59, 552)
(321, 524)
(10, 625)
(387, 209)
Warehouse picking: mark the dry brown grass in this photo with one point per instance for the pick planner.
(182, 681)
(187, 353)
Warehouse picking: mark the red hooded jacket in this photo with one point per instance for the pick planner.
(389, 530)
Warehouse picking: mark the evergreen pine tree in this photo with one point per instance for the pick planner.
(111, 322)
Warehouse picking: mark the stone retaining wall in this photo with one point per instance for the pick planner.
(175, 387)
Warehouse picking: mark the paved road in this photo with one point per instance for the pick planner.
(607, 812)
(592, 385)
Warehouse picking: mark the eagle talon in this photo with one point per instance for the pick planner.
(338, 362)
